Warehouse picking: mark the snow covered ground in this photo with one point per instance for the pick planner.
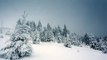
(51, 51)
(54, 51)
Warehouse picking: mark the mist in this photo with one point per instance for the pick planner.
(80, 16)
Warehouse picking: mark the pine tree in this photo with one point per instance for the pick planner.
(39, 27)
(44, 35)
(94, 43)
(86, 39)
(49, 33)
(19, 45)
(65, 31)
(57, 34)
(39, 31)
(74, 40)
(33, 30)
(67, 43)
(104, 45)
(32, 26)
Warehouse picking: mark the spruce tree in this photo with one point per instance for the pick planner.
(19, 45)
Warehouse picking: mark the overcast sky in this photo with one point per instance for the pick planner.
(80, 16)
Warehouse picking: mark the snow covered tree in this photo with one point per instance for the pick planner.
(57, 34)
(33, 32)
(44, 35)
(32, 26)
(95, 42)
(86, 39)
(66, 37)
(67, 43)
(39, 30)
(34, 37)
(65, 31)
(49, 33)
(64, 34)
(39, 26)
(75, 39)
(104, 45)
(19, 45)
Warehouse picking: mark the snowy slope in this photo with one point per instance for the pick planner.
(51, 51)
(54, 51)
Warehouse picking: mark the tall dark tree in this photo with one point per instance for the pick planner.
(32, 25)
(44, 35)
(49, 33)
(39, 26)
(39, 31)
(86, 39)
(33, 30)
(65, 31)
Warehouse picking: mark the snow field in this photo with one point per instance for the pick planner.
(54, 51)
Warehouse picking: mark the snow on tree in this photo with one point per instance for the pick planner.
(65, 31)
(39, 26)
(64, 34)
(19, 46)
(32, 26)
(86, 39)
(57, 34)
(39, 31)
(75, 39)
(49, 33)
(44, 35)
(94, 42)
(104, 45)
(67, 42)
(66, 37)
(33, 31)
(34, 36)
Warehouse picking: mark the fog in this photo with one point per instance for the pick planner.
(80, 16)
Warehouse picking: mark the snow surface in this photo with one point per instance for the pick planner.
(55, 51)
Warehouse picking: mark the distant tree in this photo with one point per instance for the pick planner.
(39, 30)
(49, 33)
(65, 31)
(39, 26)
(75, 39)
(44, 35)
(32, 26)
(57, 34)
(67, 43)
(49, 27)
(86, 39)
(33, 32)
(95, 42)
(104, 44)
(64, 34)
